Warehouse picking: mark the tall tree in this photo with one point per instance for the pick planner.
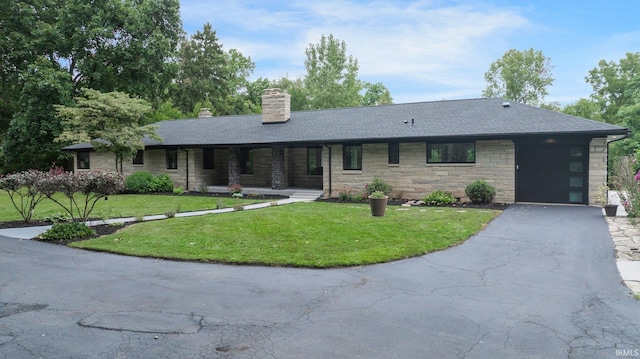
(376, 94)
(584, 108)
(521, 76)
(123, 45)
(332, 76)
(29, 142)
(297, 90)
(203, 74)
(111, 122)
(613, 84)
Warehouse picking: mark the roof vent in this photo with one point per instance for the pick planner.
(506, 104)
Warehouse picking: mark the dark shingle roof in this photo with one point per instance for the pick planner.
(479, 118)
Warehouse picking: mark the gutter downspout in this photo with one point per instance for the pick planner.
(329, 147)
(187, 173)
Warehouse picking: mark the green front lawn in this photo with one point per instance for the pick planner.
(302, 235)
(126, 205)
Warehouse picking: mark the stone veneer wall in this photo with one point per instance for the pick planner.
(597, 167)
(414, 178)
(298, 176)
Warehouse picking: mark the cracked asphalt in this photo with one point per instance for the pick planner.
(537, 282)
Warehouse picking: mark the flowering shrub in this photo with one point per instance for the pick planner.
(235, 188)
(93, 186)
(25, 191)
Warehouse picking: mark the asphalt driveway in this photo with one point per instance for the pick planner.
(538, 282)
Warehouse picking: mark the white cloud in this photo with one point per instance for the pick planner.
(422, 41)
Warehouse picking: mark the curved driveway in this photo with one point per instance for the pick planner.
(538, 282)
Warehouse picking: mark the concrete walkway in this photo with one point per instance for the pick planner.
(626, 239)
(31, 232)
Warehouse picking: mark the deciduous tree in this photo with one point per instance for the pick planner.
(332, 76)
(521, 76)
(111, 122)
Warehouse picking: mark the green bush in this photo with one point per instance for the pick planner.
(65, 231)
(139, 182)
(439, 198)
(161, 183)
(178, 191)
(378, 185)
(480, 192)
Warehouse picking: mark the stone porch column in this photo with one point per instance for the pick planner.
(234, 166)
(278, 179)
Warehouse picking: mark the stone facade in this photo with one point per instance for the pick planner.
(293, 164)
(414, 178)
(597, 167)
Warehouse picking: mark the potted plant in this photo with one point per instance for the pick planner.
(378, 203)
(610, 209)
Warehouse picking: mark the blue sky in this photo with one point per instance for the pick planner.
(426, 50)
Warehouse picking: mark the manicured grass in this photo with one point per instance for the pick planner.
(126, 205)
(303, 235)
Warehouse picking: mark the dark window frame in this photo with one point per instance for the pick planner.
(394, 153)
(348, 162)
(317, 160)
(138, 158)
(83, 163)
(450, 158)
(246, 161)
(208, 158)
(171, 156)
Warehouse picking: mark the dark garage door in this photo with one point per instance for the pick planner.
(552, 171)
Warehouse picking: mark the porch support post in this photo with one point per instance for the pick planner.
(234, 166)
(278, 180)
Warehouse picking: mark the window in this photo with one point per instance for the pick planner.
(138, 159)
(207, 159)
(394, 153)
(352, 157)
(83, 160)
(314, 160)
(246, 161)
(463, 152)
(172, 159)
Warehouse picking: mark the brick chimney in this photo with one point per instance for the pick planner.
(276, 106)
(204, 112)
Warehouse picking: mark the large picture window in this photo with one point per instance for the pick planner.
(352, 157)
(461, 152)
(246, 161)
(172, 159)
(207, 159)
(314, 160)
(83, 160)
(138, 159)
(394, 153)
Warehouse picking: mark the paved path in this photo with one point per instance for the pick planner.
(538, 282)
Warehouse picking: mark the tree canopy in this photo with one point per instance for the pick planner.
(521, 76)
(111, 122)
(332, 76)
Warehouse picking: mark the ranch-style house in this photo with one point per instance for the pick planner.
(527, 153)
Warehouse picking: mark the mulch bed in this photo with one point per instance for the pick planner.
(400, 202)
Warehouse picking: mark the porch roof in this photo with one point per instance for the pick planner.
(472, 118)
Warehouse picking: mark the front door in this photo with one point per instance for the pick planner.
(552, 171)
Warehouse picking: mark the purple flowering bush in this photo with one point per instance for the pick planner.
(25, 190)
(28, 188)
